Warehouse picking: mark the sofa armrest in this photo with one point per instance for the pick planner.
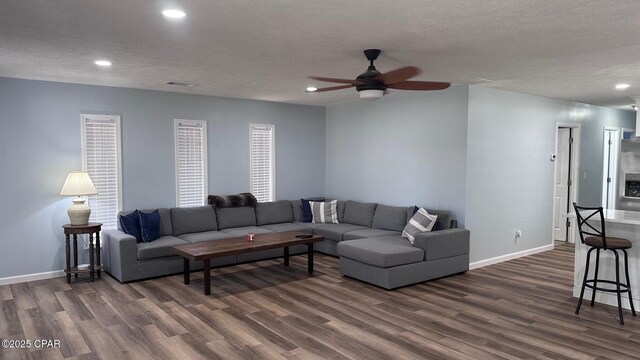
(120, 255)
(443, 243)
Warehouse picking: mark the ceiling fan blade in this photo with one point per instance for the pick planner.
(330, 88)
(398, 75)
(335, 80)
(420, 85)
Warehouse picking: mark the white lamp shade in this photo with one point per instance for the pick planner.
(371, 94)
(78, 183)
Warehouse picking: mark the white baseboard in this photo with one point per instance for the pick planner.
(499, 259)
(31, 277)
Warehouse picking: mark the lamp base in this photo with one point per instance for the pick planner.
(79, 212)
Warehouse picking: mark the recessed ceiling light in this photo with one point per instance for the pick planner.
(174, 13)
(102, 63)
(312, 89)
(622, 86)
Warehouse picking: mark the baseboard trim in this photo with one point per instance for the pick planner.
(31, 277)
(515, 255)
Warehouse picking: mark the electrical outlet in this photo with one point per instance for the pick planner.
(517, 235)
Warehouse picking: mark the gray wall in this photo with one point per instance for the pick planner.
(40, 142)
(509, 174)
(406, 149)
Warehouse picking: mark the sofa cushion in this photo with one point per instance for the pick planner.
(368, 233)
(311, 225)
(158, 248)
(244, 230)
(307, 216)
(204, 236)
(341, 205)
(335, 231)
(358, 213)
(390, 218)
(273, 212)
(386, 251)
(165, 219)
(149, 225)
(444, 221)
(421, 221)
(234, 217)
(296, 208)
(289, 227)
(193, 219)
(324, 212)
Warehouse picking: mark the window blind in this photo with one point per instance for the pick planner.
(262, 162)
(102, 162)
(191, 164)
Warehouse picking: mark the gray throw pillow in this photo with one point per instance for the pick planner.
(324, 212)
(421, 221)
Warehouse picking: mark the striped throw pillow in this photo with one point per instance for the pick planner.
(420, 222)
(324, 212)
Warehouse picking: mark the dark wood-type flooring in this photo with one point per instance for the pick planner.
(517, 309)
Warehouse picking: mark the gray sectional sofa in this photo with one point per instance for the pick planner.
(367, 239)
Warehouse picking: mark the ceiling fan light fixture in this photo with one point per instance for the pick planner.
(373, 94)
(312, 89)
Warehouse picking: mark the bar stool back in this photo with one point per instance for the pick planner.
(598, 240)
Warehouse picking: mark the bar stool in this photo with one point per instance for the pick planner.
(598, 240)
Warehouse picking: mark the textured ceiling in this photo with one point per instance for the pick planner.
(566, 49)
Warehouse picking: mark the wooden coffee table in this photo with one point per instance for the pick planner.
(207, 250)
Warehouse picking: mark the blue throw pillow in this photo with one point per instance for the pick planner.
(150, 225)
(130, 224)
(306, 208)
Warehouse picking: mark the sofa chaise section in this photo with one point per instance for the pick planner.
(390, 262)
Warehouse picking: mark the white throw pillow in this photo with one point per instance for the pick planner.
(421, 221)
(324, 212)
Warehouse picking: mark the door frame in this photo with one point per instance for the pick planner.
(615, 149)
(574, 172)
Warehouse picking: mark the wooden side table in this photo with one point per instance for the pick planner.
(94, 266)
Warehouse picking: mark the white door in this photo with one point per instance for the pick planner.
(562, 184)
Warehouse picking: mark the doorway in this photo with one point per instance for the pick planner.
(566, 178)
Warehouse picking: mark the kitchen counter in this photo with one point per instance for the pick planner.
(618, 223)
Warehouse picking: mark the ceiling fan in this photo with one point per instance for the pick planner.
(372, 84)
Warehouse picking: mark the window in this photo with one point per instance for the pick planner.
(101, 159)
(262, 162)
(191, 162)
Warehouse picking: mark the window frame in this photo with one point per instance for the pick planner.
(205, 161)
(273, 157)
(83, 130)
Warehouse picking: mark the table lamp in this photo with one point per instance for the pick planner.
(78, 183)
